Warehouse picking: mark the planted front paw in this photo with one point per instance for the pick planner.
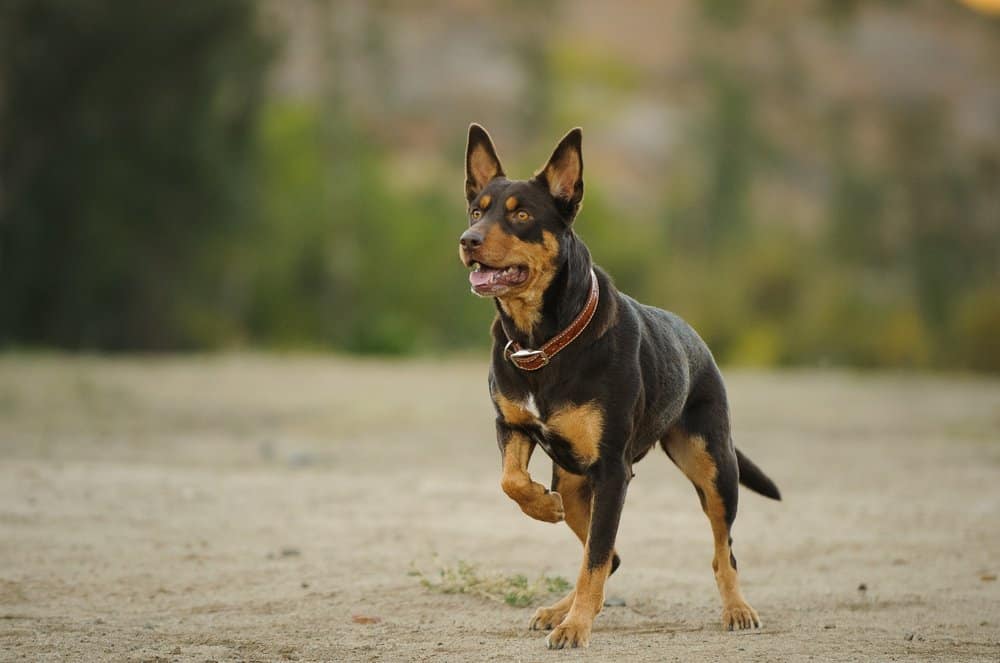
(739, 615)
(547, 507)
(575, 633)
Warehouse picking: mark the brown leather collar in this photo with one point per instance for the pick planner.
(532, 360)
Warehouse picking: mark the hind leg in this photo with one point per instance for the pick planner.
(577, 495)
(702, 449)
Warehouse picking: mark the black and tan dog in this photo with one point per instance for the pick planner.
(609, 379)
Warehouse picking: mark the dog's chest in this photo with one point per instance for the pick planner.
(565, 427)
(531, 407)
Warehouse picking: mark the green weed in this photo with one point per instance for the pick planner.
(514, 590)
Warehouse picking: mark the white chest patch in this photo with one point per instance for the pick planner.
(531, 406)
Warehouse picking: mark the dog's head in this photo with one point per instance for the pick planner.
(516, 227)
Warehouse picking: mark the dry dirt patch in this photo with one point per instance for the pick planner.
(254, 507)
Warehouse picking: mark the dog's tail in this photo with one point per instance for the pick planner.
(753, 478)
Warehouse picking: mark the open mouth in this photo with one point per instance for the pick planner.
(489, 281)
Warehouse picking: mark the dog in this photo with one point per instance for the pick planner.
(592, 377)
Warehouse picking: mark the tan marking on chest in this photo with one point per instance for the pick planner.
(513, 412)
(582, 426)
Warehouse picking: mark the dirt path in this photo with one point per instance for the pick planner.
(246, 508)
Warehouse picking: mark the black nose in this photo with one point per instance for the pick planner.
(471, 239)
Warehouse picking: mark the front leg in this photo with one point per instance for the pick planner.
(534, 499)
(610, 480)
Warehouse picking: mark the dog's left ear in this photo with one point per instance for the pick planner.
(563, 174)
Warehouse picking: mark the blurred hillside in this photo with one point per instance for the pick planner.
(807, 182)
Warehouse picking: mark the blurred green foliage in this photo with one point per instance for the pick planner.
(127, 136)
(156, 195)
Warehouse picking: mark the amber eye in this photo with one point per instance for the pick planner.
(523, 216)
(477, 214)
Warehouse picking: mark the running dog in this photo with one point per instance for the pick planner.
(592, 377)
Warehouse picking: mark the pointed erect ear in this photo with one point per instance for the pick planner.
(481, 162)
(563, 174)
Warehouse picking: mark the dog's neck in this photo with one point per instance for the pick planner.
(561, 301)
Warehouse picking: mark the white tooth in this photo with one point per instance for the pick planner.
(476, 266)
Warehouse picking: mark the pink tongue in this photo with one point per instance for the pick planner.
(483, 277)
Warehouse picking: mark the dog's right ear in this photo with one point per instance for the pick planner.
(481, 162)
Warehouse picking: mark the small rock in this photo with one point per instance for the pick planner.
(305, 585)
(829, 626)
(365, 619)
(175, 650)
(290, 552)
(988, 577)
(614, 602)
(862, 587)
(908, 637)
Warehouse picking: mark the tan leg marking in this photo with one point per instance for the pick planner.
(533, 498)
(574, 631)
(581, 426)
(576, 494)
(690, 454)
(577, 498)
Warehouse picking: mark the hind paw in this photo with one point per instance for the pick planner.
(548, 618)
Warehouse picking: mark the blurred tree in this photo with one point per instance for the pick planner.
(126, 152)
(855, 204)
(819, 203)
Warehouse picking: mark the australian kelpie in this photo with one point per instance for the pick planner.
(594, 378)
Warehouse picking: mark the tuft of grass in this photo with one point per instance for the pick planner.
(514, 590)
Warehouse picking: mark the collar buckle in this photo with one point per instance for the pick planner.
(528, 356)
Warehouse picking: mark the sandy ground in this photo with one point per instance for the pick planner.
(246, 508)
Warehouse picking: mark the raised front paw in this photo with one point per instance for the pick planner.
(548, 618)
(739, 616)
(547, 507)
(575, 633)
